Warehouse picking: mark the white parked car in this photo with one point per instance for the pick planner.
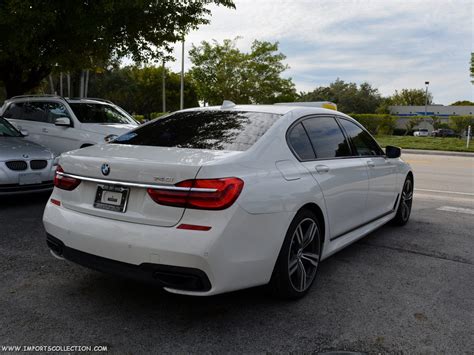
(67, 124)
(210, 200)
(422, 132)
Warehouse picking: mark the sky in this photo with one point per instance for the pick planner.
(392, 44)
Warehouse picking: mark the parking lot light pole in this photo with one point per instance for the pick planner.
(426, 97)
(181, 97)
(61, 83)
(163, 89)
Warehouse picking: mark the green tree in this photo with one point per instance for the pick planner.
(435, 122)
(460, 123)
(463, 103)
(38, 35)
(222, 72)
(412, 123)
(410, 97)
(348, 96)
(139, 90)
(472, 67)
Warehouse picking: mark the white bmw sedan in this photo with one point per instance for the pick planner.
(210, 200)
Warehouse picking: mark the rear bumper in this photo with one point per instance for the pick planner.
(239, 251)
(182, 278)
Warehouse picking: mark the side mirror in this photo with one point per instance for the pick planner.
(24, 133)
(393, 152)
(62, 121)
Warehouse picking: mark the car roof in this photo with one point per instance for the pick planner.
(273, 109)
(75, 100)
(24, 98)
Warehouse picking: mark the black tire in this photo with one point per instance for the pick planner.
(302, 250)
(406, 202)
(86, 145)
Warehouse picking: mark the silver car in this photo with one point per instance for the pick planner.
(24, 166)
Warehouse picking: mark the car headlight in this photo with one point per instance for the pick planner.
(56, 160)
(110, 137)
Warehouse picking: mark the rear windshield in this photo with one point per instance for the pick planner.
(218, 130)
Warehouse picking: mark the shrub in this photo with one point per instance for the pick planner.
(460, 123)
(139, 118)
(377, 123)
(154, 115)
(368, 120)
(401, 132)
(387, 124)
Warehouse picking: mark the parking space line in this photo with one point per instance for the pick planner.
(447, 192)
(456, 209)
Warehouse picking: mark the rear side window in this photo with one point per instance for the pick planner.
(37, 111)
(99, 113)
(207, 129)
(299, 142)
(363, 142)
(327, 138)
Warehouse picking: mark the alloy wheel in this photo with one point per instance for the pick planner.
(303, 258)
(407, 199)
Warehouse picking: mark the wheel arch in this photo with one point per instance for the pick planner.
(313, 207)
(86, 145)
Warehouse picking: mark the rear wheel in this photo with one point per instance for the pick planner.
(406, 201)
(299, 257)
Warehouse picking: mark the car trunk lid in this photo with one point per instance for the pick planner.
(124, 172)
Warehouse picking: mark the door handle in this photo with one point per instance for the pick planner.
(370, 164)
(322, 169)
(45, 130)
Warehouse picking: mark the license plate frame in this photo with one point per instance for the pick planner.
(104, 190)
(29, 178)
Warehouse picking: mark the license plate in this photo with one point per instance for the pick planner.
(29, 178)
(111, 198)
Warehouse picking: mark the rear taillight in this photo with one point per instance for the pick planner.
(203, 194)
(65, 182)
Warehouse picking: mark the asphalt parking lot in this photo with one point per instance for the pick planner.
(408, 289)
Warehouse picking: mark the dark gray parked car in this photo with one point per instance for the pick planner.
(24, 166)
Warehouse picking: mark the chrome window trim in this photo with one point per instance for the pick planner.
(136, 184)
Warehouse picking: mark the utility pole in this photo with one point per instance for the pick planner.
(86, 86)
(426, 97)
(163, 89)
(61, 83)
(81, 85)
(68, 84)
(51, 84)
(181, 97)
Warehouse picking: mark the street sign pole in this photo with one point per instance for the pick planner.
(468, 136)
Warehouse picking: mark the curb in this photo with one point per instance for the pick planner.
(437, 152)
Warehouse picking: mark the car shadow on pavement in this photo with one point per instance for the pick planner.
(21, 200)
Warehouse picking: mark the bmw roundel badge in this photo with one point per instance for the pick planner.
(105, 168)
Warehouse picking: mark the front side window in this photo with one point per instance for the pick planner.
(99, 113)
(299, 141)
(206, 129)
(37, 111)
(7, 129)
(327, 138)
(363, 142)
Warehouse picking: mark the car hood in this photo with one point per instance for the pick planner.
(20, 148)
(107, 129)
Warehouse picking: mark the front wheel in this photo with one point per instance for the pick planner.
(406, 201)
(298, 261)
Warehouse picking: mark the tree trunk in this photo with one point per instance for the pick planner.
(18, 81)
